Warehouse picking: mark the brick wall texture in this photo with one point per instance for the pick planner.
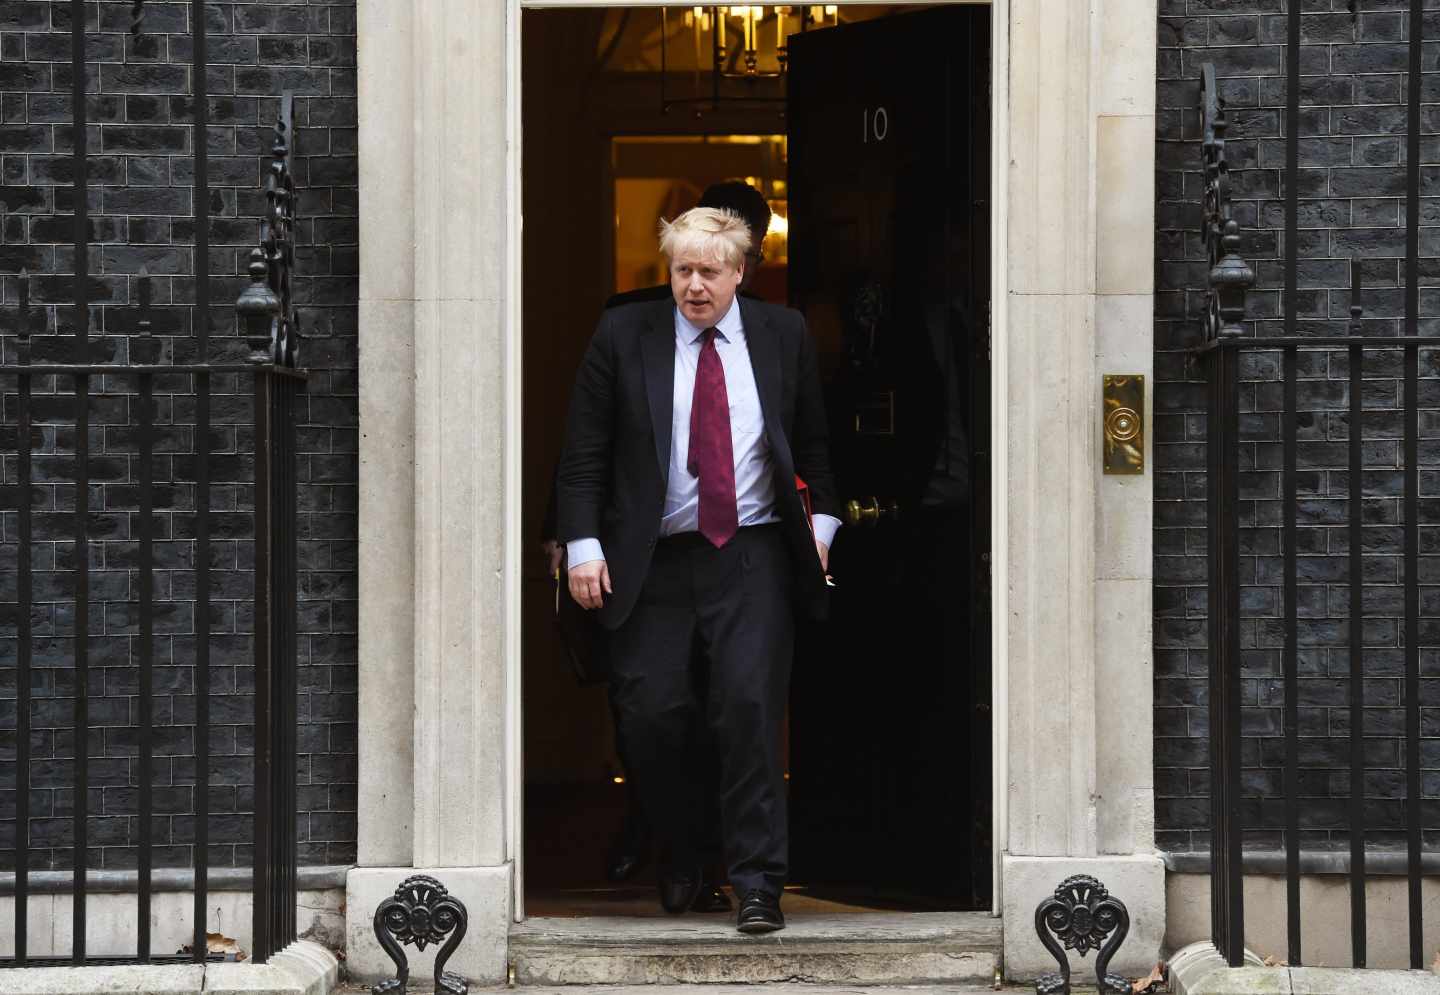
(1351, 185)
(140, 201)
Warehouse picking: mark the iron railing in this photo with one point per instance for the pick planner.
(1256, 377)
(271, 377)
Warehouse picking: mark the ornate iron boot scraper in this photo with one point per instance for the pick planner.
(421, 912)
(1082, 915)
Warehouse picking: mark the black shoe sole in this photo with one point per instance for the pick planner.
(686, 902)
(757, 926)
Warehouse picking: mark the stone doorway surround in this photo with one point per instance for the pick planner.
(440, 445)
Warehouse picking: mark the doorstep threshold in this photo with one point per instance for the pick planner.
(979, 928)
(881, 948)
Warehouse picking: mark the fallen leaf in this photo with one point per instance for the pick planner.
(1151, 982)
(1436, 966)
(219, 944)
(1272, 961)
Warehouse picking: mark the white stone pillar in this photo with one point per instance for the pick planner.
(433, 167)
(387, 438)
(1125, 343)
(1078, 667)
(460, 160)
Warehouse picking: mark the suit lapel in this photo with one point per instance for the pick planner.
(657, 349)
(764, 349)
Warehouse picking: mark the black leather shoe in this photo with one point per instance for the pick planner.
(760, 913)
(627, 857)
(710, 898)
(678, 888)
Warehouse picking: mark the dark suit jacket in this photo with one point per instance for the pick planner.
(615, 466)
(660, 292)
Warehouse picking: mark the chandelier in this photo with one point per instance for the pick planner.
(735, 48)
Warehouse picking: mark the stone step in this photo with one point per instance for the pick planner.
(792, 988)
(784, 988)
(875, 949)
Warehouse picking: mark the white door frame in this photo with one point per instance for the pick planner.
(515, 420)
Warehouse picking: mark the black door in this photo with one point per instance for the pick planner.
(889, 260)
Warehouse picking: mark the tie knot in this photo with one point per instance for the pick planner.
(708, 335)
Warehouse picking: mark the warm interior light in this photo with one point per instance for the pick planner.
(618, 779)
(779, 226)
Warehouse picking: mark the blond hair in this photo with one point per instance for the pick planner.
(707, 233)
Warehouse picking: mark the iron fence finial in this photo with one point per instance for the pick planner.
(1230, 276)
(269, 300)
(258, 309)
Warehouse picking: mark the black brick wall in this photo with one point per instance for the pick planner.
(1351, 184)
(140, 202)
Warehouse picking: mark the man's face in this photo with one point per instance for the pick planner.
(704, 288)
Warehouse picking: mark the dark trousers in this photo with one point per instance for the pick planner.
(635, 829)
(736, 604)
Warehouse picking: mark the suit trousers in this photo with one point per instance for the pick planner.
(735, 605)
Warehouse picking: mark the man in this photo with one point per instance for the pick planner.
(689, 422)
(629, 851)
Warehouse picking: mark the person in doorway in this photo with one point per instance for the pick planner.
(688, 423)
(735, 196)
(630, 850)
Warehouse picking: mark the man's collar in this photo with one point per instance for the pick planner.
(728, 327)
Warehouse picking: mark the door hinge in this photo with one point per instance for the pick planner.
(989, 328)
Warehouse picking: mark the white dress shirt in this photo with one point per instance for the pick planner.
(754, 474)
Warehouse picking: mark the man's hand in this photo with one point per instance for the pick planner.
(587, 581)
(554, 554)
(824, 552)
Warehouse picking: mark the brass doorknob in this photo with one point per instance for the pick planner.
(863, 511)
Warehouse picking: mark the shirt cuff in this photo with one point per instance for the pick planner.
(825, 528)
(578, 551)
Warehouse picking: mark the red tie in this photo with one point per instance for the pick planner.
(712, 457)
